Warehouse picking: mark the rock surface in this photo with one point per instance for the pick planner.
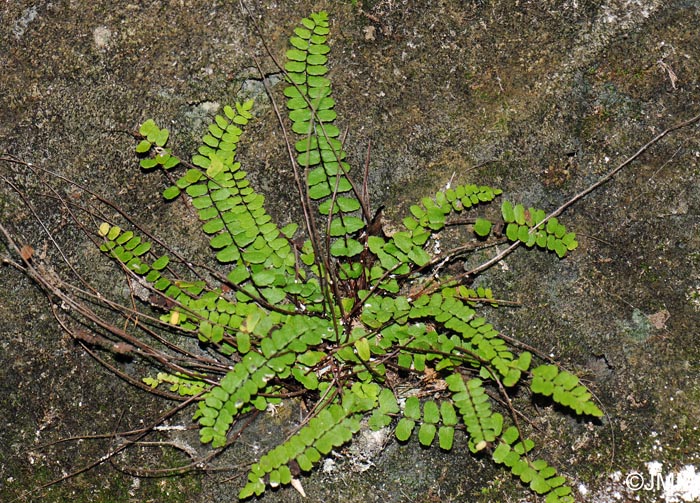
(539, 98)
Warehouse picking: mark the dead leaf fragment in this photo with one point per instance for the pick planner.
(658, 320)
(27, 252)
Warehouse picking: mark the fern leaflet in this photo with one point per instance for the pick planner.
(474, 407)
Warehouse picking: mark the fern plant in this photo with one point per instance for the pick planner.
(335, 311)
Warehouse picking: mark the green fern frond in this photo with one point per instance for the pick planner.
(478, 342)
(526, 226)
(431, 214)
(137, 255)
(331, 428)
(541, 477)
(474, 297)
(337, 314)
(474, 406)
(319, 151)
(129, 249)
(153, 143)
(489, 347)
(281, 346)
(232, 213)
(397, 253)
(179, 383)
(236, 390)
(564, 388)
